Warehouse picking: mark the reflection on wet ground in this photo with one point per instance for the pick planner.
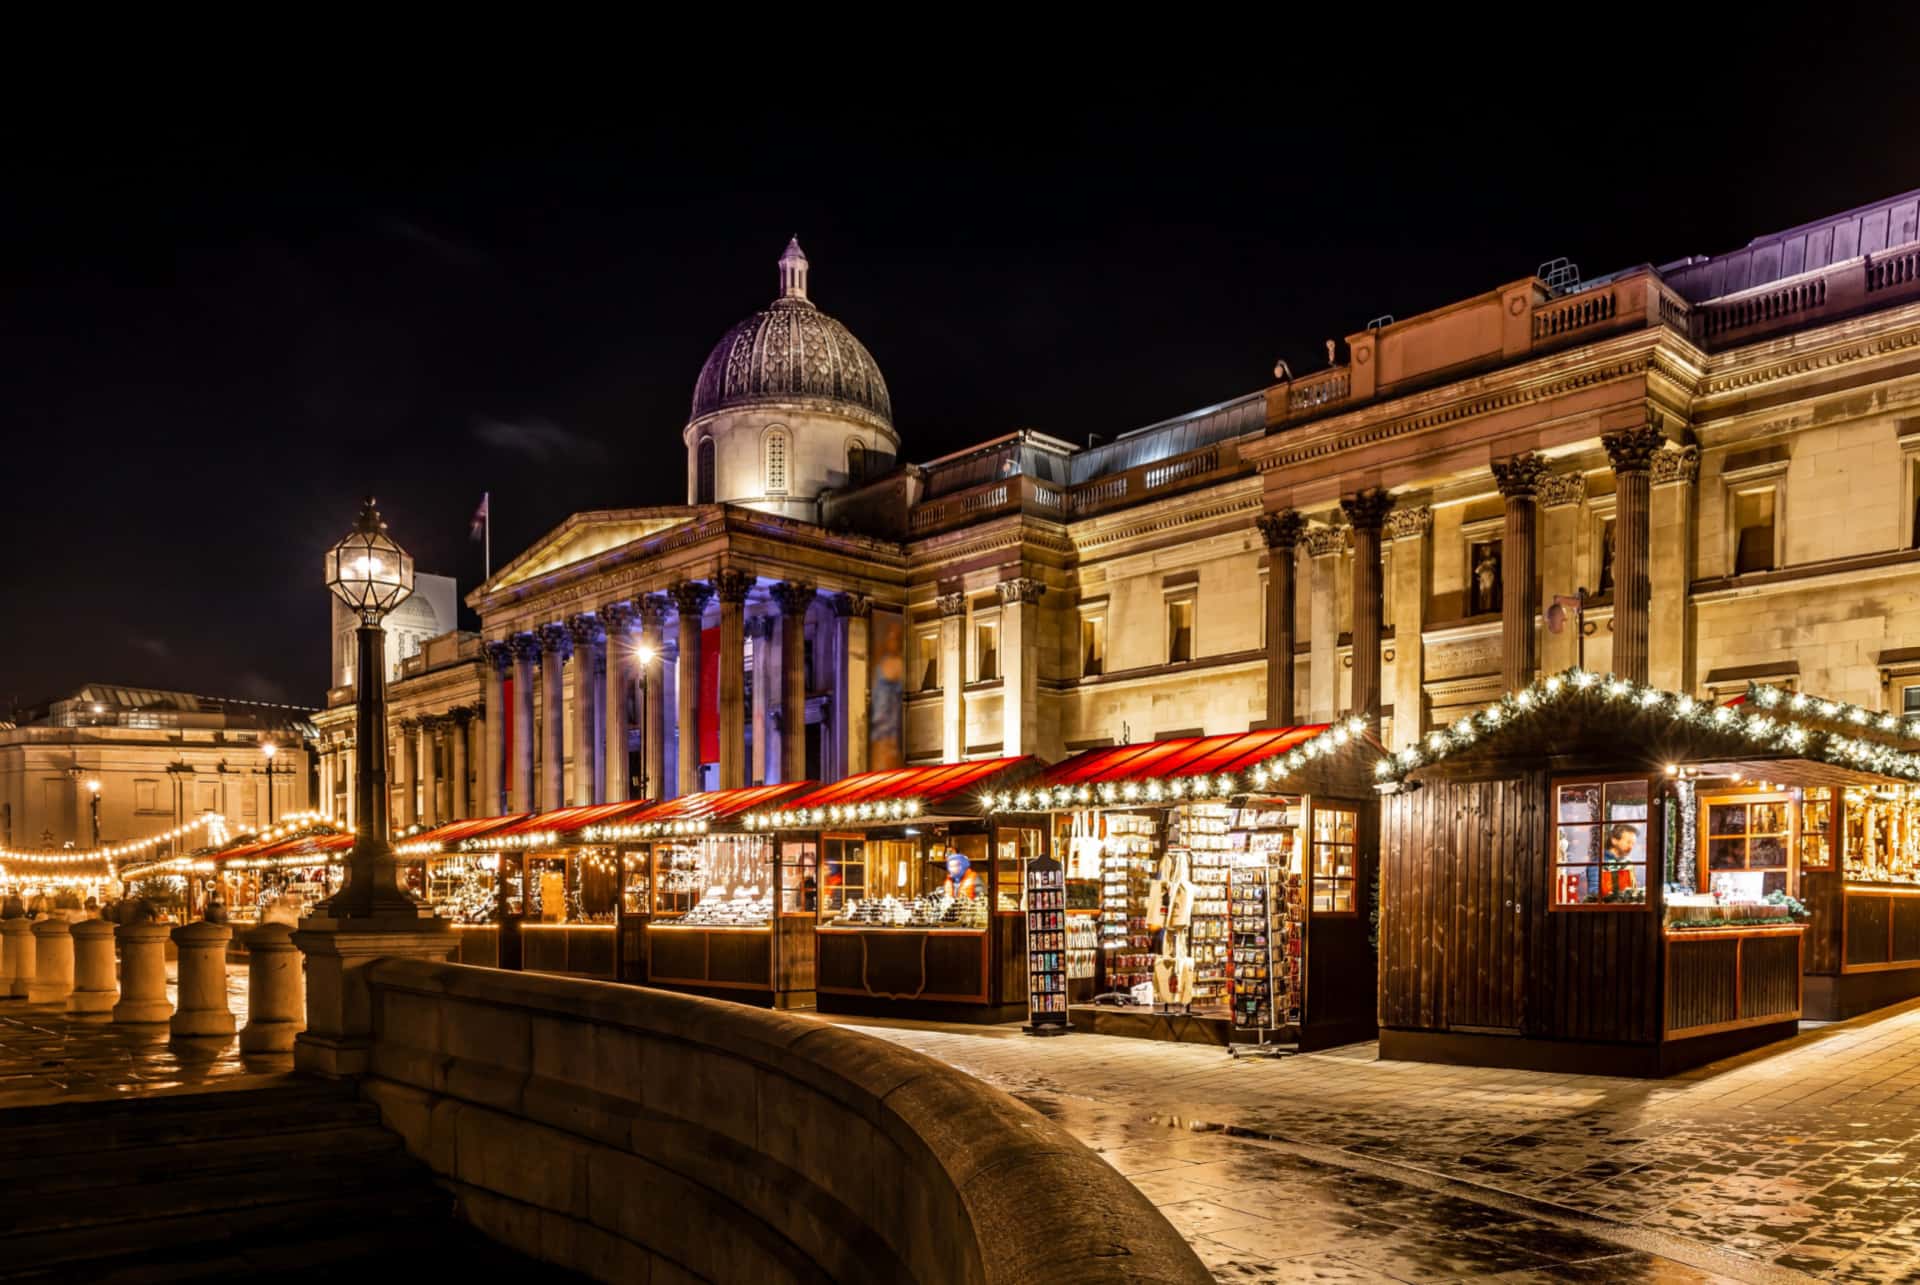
(1799, 1163)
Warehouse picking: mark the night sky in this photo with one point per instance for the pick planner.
(215, 339)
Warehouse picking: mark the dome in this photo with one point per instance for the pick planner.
(790, 352)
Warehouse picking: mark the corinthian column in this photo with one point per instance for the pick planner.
(459, 801)
(1282, 532)
(1324, 544)
(1631, 453)
(794, 599)
(407, 750)
(1519, 479)
(691, 597)
(523, 791)
(953, 677)
(493, 767)
(1366, 511)
(587, 638)
(556, 644)
(619, 619)
(653, 708)
(762, 634)
(1020, 665)
(1411, 530)
(430, 725)
(1671, 525)
(1559, 498)
(733, 586)
(852, 613)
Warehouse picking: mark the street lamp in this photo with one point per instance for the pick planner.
(372, 575)
(93, 805)
(269, 749)
(645, 655)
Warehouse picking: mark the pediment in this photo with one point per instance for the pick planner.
(586, 536)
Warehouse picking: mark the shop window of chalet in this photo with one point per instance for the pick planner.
(986, 651)
(1753, 531)
(843, 875)
(1746, 846)
(703, 472)
(1093, 646)
(799, 878)
(1601, 843)
(927, 649)
(1816, 828)
(1179, 630)
(1334, 833)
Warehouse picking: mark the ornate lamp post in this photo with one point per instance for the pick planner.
(93, 806)
(269, 749)
(372, 575)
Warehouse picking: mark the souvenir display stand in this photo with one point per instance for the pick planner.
(1224, 883)
(717, 914)
(1624, 894)
(917, 898)
(462, 878)
(1046, 888)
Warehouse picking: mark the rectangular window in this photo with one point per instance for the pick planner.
(1093, 646)
(1816, 828)
(146, 796)
(1179, 630)
(1333, 859)
(844, 877)
(1601, 843)
(927, 650)
(1745, 843)
(986, 650)
(1753, 519)
(1910, 700)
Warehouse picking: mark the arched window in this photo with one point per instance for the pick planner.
(856, 461)
(703, 472)
(777, 450)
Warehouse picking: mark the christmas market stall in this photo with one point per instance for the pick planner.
(1857, 851)
(916, 895)
(703, 906)
(1595, 875)
(1218, 889)
(557, 890)
(463, 885)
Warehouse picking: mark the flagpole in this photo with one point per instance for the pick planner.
(486, 505)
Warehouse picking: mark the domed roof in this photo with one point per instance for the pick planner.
(790, 351)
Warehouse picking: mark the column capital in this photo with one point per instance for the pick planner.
(1282, 530)
(618, 617)
(690, 596)
(1519, 476)
(556, 637)
(953, 604)
(1632, 450)
(585, 629)
(1676, 464)
(1368, 509)
(408, 724)
(1021, 589)
(653, 610)
(1557, 490)
(855, 606)
(499, 655)
(732, 584)
(526, 646)
(1409, 523)
(1324, 541)
(794, 597)
(461, 715)
(432, 722)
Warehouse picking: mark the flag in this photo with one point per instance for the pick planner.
(479, 527)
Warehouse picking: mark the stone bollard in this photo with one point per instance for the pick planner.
(203, 980)
(94, 986)
(52, 962)
(276, 991)
(16, 964)
(143, 974)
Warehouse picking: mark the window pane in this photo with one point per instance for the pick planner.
(1579, 844)
(1627, 801)
(1767, 818)
(1726, 854)
(1579, 803)
(1910, 700)
(1180, 631)
(1768, 852)
(1727, 818)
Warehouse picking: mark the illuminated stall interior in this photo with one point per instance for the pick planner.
(914, 893)
(1217, 888)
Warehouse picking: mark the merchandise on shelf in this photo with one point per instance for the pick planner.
(718, 908)
(1046, 943)
(932, 910)
(1126, 869)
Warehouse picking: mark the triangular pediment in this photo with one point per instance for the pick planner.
(584, 537)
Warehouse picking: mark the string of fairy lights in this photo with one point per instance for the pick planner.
(104, 859)
(1767, 722)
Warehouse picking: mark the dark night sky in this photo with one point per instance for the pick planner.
(213, 339)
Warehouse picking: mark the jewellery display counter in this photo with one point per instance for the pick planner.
(917, 900)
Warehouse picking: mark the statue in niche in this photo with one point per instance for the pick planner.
(1483, 580)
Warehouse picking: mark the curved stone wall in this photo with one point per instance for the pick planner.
(617, 1130)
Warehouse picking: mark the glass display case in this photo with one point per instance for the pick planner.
(1601, 843)
(1334, 831)
(1746, 835)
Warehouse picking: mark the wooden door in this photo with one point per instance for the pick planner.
(1491, 890)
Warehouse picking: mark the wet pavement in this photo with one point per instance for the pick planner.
(48, 1055)
(1798, 1163)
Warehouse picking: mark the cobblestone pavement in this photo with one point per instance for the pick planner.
(48, 1055)
(1796, 1163)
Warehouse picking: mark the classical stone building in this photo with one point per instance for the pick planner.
(160, 759)
(1722, 452)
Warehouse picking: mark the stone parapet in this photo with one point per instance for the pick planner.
(571, 1116)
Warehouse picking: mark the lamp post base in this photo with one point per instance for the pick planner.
(338, 1040)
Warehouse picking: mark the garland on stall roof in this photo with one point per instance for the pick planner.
(1212, 787)
(1830, 711)
(1766, 731)
(838, 814)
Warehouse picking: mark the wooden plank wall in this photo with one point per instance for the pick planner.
(1467, 942)
(1822, 890)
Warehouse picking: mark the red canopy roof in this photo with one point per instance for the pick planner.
(932, 788)
(1184, 756)
(447, 836)
(691, 813)
(319, 846)
(560, 828)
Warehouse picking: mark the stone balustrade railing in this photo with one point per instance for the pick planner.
(629, 1133)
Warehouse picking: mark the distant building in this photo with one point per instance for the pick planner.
(161, 759)
(432, 610)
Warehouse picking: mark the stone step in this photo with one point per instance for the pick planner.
(79, 1134)
(32, 1175)
(287, 1089)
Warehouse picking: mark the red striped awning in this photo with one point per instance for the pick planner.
(933, 789)
(448, 835)
(695, 813)
(560, 828)
(320, 847)
(1182, 768)
(1185, 756)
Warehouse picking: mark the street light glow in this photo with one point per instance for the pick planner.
(645, 653)
(94, 785)
(269, 749)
